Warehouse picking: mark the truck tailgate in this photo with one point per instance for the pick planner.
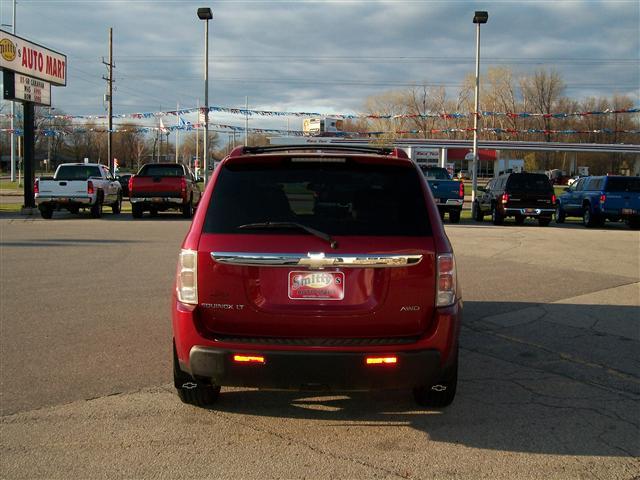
(156, 187)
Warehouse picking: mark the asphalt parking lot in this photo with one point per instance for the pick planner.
(549, 387)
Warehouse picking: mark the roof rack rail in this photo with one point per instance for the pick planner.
(327, 147)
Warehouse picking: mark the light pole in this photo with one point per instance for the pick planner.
(479, 18)
(206, 15)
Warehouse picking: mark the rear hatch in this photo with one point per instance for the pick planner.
(623, 195)
(158, 180)
(260, 279)
(529, 190)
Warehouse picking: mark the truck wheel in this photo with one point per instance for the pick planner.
(136, 210)
(117, 207)
(187, 209)
(441, 212)
(634, 223)
(454, 216)
(496, 218)
(46, 211)
(478, 215)
(190, 390)
(561, 215)
(441, 393)
(588, 219)
(520, 219)
(96, 209)
(543, 221)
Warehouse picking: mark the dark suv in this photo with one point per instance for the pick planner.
(518, 195)
(316, 267)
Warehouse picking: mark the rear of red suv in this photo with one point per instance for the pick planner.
(323, 269)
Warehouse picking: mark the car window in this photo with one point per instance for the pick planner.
(491, 184)
(151, 170)
(337, 198)
(579, 185)
(77, 172)
(594, 184)
(619, 184)
(435, 173)
(529, 182)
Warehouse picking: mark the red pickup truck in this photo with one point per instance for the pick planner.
(163, 186)
(316, 267)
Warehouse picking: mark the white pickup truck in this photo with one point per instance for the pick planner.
(78, 185)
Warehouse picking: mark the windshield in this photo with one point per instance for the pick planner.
(151, 170)
(77, 172)
(435, 173)
(336, 198)
(528, 182)
(621, 184)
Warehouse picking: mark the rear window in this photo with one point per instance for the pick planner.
(617, 184)
(529, 183)
(151, 170)
(435, 173)
(336, 198)
(77, 172)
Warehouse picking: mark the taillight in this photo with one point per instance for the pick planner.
(90, 187)
(461, 191)
(385, 360)
(553, 199)
(603, 198)
(36, 186)
(183, 186)
(446, 271)
(505, 198)
(187, 281)
(130, 184)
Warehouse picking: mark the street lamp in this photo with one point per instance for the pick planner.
(205, 14)
(478, 18)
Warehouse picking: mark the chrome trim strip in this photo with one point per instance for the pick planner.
(315, 260)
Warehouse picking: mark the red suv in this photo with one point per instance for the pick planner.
(316, 267)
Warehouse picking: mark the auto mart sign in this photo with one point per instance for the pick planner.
(22, 56)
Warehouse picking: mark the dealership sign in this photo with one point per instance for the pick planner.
(21, 56)
(26, 89)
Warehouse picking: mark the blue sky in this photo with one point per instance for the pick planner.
(325, 56)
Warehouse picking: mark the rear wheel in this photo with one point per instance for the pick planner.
(634, 223)
(187, 209)
(520, 219)
(454, 216)
(496, 217)
(478, 216)
(441, 393)
(589, 220)
(191, 391)
(46, 211)
(96, 209)
(561, 215)
(136, 210)
(117, 207)
(543, 222)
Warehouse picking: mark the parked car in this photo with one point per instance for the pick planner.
(597, 199)
(317, 269)
(518, 195)
(124, 182)
(163, 186)
(78, 185)
(448, 193)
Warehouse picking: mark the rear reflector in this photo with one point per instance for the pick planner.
(248, 358)
(381, 360)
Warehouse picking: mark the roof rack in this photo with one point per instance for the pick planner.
(325, 147)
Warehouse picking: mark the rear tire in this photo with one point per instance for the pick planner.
(136, 210)
(454, 216)
(478, 216)
(496, 218)
(117, 207)
(187, 209)
(46, 211)
(190, 390)
(634, 223)
(588, 219)
(435, 395)
(561, 215)
(96, 209)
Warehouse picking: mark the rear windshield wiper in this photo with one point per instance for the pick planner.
(324, 236)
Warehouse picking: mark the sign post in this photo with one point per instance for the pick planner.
(28, 71)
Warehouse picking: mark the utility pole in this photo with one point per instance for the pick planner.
(246, 121)
(13, 111)
(177, 130)
(110, 81)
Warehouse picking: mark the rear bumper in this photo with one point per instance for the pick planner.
(313, 370)
(450, 204)
(530, 212)
(157, 200)
(63, 201)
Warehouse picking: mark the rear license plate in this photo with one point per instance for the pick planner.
(628, 211)
(530, 210)
(63, 200)
(316, 285)
(156, 200)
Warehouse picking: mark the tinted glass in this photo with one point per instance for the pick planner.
(335, 198)
(77, 172)
(594, 184)
(628, 184)
(528, 182)
(435, 173)
(152, 170)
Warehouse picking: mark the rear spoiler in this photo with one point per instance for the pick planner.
(396, 152)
